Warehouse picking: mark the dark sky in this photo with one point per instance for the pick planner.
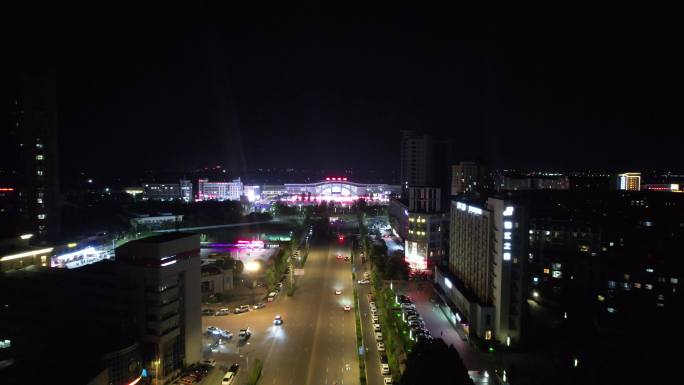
(578, 85)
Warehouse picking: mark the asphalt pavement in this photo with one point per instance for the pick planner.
(316, 344)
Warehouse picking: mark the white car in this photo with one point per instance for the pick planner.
(381, 346)
(384, 368)
(378, 336)
(371, 304)
(347, 308)
(388, 380)
(376, 327)
(228, 378)
(375, 319)
(338, 292)
(223, 312)
(210, 362)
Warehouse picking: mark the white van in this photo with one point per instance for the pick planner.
(228, 378)
(271, 296)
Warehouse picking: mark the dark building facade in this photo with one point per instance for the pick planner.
(29, 182)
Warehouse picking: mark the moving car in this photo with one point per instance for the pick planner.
(259, 305)
(384, 369)
(271, 296)
(245, 334)
(228, 378)
(347, 308)
(338, 291)
(278, 320)
(381, 346)
(209, 362)
(242, 309)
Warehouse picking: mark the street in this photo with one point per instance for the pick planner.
(316, 342)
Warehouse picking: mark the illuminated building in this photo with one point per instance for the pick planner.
(252, 193)
(29, 185)
(467, 177)
(338, 189)
(425, 241)
(666, 187)
(629, 181)
(219, 191)
(485, 277)
(166, 191)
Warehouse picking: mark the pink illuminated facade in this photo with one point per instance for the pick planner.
(340, 190)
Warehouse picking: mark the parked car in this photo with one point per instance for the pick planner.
(388, 380)
(223, 312)
(259, 305)
(378, 336)
(208, 312)
(271, 296)
(209, 362)
(384, 369)
(381, 346)
(376, 327)
(242, 309)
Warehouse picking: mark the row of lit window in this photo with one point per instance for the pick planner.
(417, 232)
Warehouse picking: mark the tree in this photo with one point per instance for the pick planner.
(396, 267)
(427, 362)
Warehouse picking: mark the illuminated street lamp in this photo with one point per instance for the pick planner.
(252, 266)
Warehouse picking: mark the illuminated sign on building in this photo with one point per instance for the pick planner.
(508, 235)
(461, 206)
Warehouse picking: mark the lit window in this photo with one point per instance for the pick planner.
(611, 310)
(39, 157)
(41, 216)
(600, 298)
(39, 145)
(637, 285)
(39, 200)
(39, 172)
(611, 284)
(674, 280)
(649, 286)
(556, 274)
(488, 335)
(546, 271)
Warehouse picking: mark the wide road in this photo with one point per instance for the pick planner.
(316, 345)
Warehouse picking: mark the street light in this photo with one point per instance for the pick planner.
(252, 266)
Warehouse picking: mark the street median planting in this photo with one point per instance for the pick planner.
(359, 336)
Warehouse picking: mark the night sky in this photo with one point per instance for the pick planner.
(164, 86)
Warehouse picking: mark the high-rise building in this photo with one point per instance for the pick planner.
(29, 183)
(629, 181)
(424, 161)
(485, 277)
(425, 241)
(165, 272)
(545, 181)
(467, 177)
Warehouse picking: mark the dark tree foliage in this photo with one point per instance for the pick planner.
(433, 362)
(396, 267)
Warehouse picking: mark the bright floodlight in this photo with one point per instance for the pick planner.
(252, 266)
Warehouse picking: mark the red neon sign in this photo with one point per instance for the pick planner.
(7, 189)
